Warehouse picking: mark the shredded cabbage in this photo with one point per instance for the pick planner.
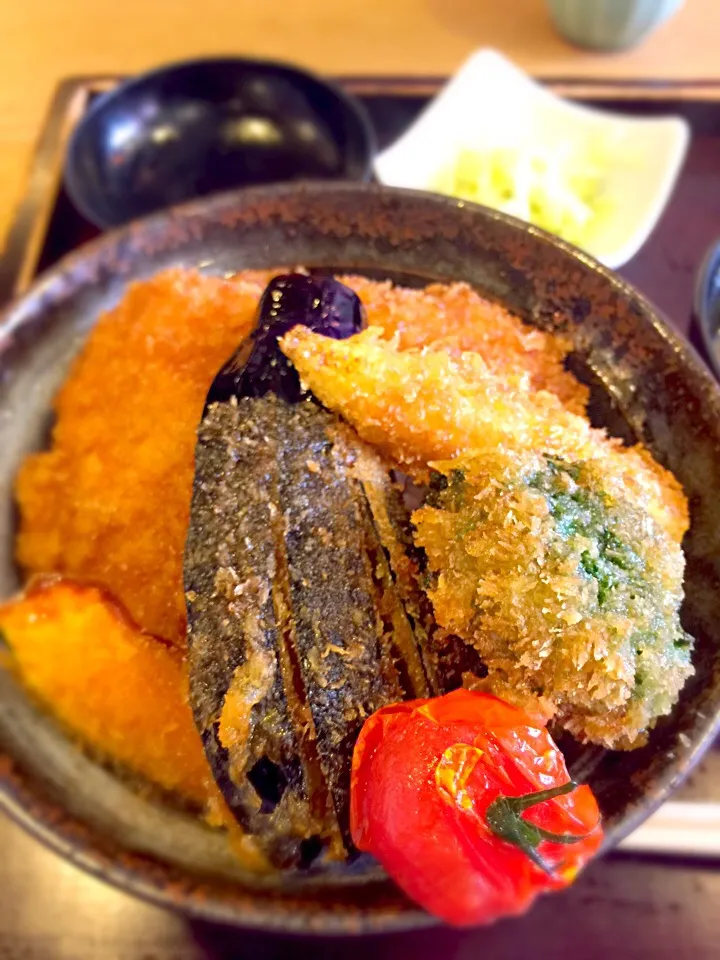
(553, 187)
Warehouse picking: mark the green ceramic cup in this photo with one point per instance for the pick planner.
(610, 24)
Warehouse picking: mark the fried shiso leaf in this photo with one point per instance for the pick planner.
(570, 596)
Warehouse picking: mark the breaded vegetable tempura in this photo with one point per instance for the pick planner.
(118, 689)
(420, 406)
(555, 550)
(458, 319)
(569, 595)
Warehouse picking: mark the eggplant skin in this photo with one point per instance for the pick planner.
(296, 585)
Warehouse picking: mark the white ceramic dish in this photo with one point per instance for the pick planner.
(490, 103)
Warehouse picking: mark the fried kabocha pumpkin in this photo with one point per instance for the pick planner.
(120, 690)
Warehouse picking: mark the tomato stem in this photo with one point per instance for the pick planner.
(503, 817)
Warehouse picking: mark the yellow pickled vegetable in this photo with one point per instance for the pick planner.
(556, 188)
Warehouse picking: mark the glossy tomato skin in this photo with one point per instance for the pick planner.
(424, 775)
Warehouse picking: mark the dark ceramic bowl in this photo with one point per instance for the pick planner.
(647, 383)
(189, 129)
(707, 305)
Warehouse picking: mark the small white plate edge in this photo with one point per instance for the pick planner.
(675, 158)
(484, 61)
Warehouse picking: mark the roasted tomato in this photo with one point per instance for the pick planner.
(467, 803)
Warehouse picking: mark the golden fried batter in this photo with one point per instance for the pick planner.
(424, 405)
(110, 501)
(122, 691)
(456, 318)
(584, 532)
(555, 550)
(570, 596)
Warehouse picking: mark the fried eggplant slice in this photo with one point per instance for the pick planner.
(297, 625)
(258, 366)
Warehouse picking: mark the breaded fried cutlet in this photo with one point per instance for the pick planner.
(110, 500)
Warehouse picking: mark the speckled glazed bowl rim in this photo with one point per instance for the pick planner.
(160, 883)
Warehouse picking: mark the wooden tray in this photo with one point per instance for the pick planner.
(47, 225)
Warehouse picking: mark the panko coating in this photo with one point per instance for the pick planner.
(555, 550)
(570, 595)
(110, 501)
(418, 406)
(456, 318)
(118, 689)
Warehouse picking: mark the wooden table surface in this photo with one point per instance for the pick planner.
(45, 40)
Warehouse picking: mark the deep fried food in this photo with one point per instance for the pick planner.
(555, 550)
(298, 627)
(120, 690)
(570, 595)
(110, 501)
(456, 318)
(424, 405)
